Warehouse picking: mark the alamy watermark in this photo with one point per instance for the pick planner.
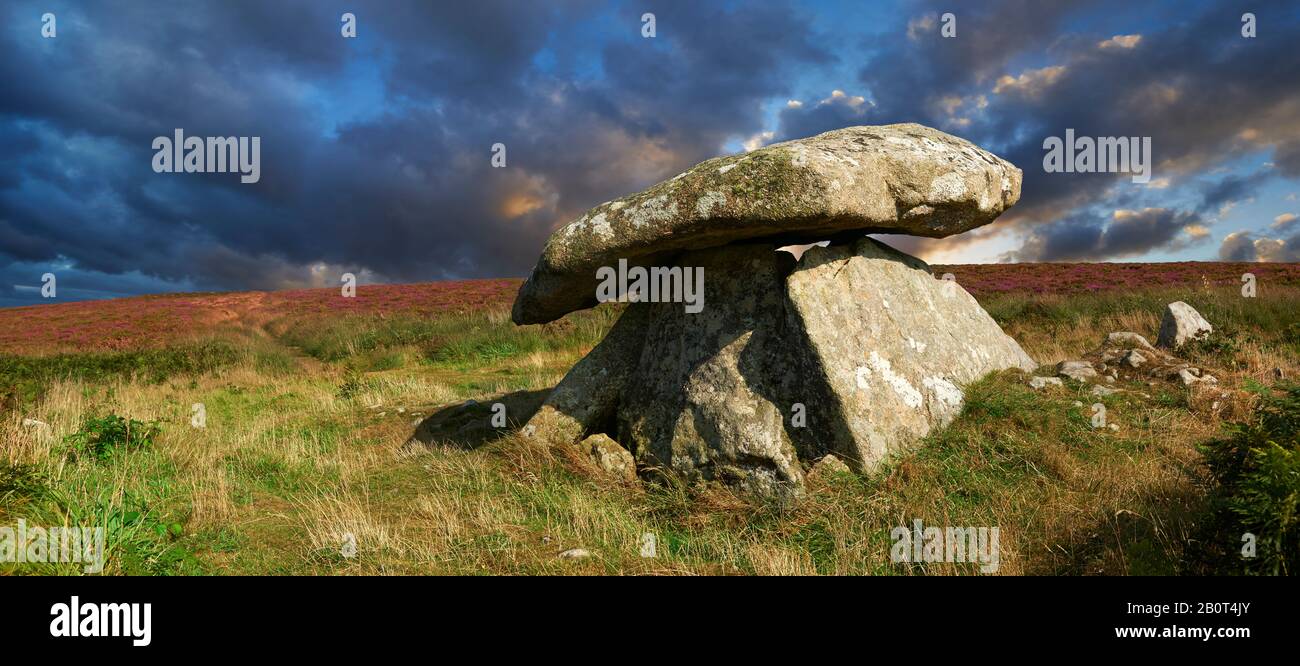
(213, 154)
(77, 619)
(950, 544)
(23, 544)
(655, 284)
(1106, 154)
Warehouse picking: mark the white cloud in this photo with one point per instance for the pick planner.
(917, 26)
(1031, 82)
(1121, 42)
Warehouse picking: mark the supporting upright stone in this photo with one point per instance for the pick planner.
(887, 348)
(701, 401)
(585, 400)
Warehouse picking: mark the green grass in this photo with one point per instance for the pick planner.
(24, 377)
(305, 430)
(461, 342)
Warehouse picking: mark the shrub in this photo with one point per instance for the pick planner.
(1220, 347)
(1257, 466)
(100, 437)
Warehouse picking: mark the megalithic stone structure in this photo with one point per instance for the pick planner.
(855, 349)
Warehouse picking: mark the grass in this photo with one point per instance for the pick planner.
(302, 454)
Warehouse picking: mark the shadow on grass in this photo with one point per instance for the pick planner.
(469, 424)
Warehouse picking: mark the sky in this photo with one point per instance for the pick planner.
(376, 150)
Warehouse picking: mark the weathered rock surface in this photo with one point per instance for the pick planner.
(883, 350)
(701, 401)
(902, 179)
(610, 457)
(1079, 371)
(827, 467)
(1180, 325)
(1039, 383)
(585, 400)
(1126, 340)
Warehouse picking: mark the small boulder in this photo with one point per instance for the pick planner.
(1134, 359)
(1127, 340)
(1190, 376)
(1039, 383)
(1180, 325)
(575, 554)
(827, 467)
(1079, 371)
(610, 457)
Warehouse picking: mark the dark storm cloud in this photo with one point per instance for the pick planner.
(1018, 72)
(1126, 234)
(375, 151)
(1248, 246)
(1231, 189)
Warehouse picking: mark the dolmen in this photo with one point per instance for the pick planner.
(736, 363)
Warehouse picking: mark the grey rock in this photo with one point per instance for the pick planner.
(1038, 383)
(703, 399)
(1103, 391)
(587, 396)
(901, 179)
(1127, 340)
(1079, 371)
(1134, 359)
(1181, 324)
(575, 554)
(610, 457)
(886, 350)
(1189, 378)
(827, 467)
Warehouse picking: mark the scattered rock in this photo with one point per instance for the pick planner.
(610, 457)
(1180, 325)
(1103, 391)
(34, 423)
(1079, 371)
(1038, 383)
(1190, 376)
(1127, 340)
(575, 554)
(828, 466)
(1134, 359)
